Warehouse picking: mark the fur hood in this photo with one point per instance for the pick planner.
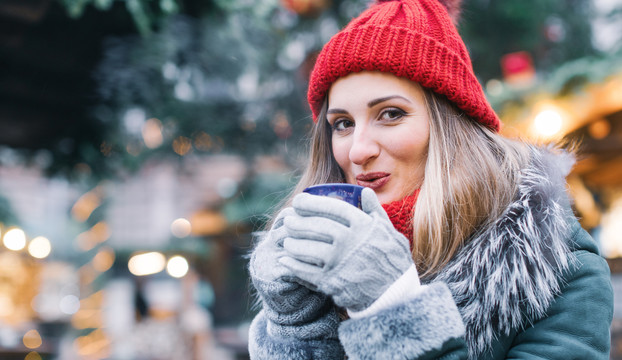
(507, 276)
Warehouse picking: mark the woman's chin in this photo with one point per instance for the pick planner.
(385, 198)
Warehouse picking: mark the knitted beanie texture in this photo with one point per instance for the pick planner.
(414, 39)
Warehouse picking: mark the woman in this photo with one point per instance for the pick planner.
(465, 246)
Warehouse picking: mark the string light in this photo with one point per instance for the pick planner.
(548, 122)
(15, 239)
(39, 247)
(32, 339)
(104, 259)
(146, 263)
(33, 355)
(152, 133)
(181, 227)
(85, 205)
(182, 145)
(177, 266)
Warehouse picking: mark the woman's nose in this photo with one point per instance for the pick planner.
(364, 146)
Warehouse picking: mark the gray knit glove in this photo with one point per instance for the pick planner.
(292, 309)
(353, 255)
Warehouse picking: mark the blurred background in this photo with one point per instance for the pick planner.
(143, 141)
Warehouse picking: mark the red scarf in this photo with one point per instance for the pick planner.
(401, 214)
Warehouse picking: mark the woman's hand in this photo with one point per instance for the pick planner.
(293, 309)
(351, 254)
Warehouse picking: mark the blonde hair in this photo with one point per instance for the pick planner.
(471, 176)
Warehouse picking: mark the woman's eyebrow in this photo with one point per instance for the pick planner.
(336, 111)
(370, 104)
(383, 99)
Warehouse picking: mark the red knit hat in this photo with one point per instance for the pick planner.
(414, 39)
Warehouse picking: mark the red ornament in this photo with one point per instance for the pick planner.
(308, 8)
(518, 68)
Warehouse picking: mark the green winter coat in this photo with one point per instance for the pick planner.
(574, 326)
(530, 286)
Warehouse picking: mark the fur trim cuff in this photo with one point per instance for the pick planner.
(406, 331)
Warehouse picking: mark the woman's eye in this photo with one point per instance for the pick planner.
(392, 114)
(342, 124)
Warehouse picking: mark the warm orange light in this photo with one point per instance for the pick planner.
(611, 224)
(96, 344)
(95, 235)
(32, 339)
(85, 319)
(548, 122)
(599, 129)
(305, 7)
(208, 222)
(6, 305)
(33, 355)
(152, 133)
(104, 259)
(87, 274)
(203, 141)
(94, 301)
(85, 205)
(182, 145)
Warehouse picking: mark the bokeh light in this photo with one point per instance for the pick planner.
(181, 227)
(104, 259)
(69, 304)
(97, 234)
(203, 141)
(33, 355)
(548, 122)
(85, 205)
(15, 239)
(177, 266)
(152, 133)
(6, 305)
(182, 145)
(146, 263)
(32, 339)
(133, 119)
(39, 247)
(599, 129)
(92, 345)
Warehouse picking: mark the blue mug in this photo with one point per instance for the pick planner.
(346, 192)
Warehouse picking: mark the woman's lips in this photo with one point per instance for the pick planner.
(373, 180)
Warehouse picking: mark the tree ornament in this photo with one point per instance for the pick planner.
(307, 8)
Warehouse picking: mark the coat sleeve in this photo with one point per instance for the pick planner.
(578, 322)
(427, 326)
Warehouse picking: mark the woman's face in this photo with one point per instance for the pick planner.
(380, 131)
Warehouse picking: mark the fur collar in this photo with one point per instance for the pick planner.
(507, 276)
